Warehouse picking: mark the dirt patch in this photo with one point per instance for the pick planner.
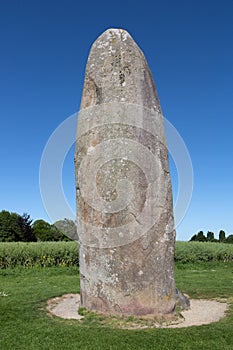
(65, 306)
(201, 311)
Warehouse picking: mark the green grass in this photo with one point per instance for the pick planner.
(205, 280)
(25, 325)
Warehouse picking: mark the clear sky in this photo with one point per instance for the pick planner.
(189, 48)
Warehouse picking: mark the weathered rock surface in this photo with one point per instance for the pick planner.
(124, 197)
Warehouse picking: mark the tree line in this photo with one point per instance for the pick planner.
(222, 238)
(21, 228)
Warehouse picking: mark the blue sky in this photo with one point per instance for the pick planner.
(189, 48)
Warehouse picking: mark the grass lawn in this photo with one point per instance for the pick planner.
(25, 325)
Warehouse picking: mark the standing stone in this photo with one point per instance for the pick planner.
(124, 197)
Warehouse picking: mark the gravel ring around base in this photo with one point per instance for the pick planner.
(201, 311)
(65, 306)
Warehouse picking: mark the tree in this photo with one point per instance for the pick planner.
(222, 236)
(26, 230)
(210, 236)
(9, 230)
(42, 230)
(193, 238)
(46, 232)
(15, 228)
(229, 239)
(201, 237)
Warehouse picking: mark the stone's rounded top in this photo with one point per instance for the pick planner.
(116, 33)
(117, 71)
(114, 37)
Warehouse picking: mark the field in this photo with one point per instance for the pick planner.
(64, 254)
(24, 323)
